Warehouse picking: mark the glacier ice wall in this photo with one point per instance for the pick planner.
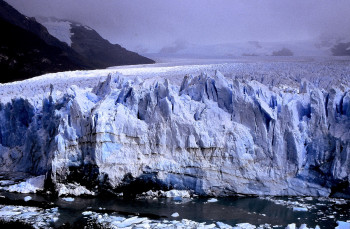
(212, 135)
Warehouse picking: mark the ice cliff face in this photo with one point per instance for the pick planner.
(211, 135)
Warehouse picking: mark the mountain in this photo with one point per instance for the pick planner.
(88, 43)
(27, 49)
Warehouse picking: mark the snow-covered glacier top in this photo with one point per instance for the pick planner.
(286, 74)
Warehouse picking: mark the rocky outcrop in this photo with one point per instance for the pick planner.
(211, 135)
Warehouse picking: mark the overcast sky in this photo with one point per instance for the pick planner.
(153, 24)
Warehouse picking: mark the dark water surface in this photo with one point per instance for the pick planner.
(230, 210)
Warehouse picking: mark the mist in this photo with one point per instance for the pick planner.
(168, 26)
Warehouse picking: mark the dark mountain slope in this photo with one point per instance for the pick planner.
(24, 55)
(27, 49)
(88, 43)
(12, 16)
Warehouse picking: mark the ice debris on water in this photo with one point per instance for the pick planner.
(299, 205)
(175, 214)
(212, 200)
(176, 195)
(343, 225)
(291, 226)
(68, 199)
(129, 222)
(245, 226)
(222, 225)
(73, 190)
(27, 198)
(31, 185)
(37, 217)
(299, 209)
(87, 213)
(41, 218)
(111, 221)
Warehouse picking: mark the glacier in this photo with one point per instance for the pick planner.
(211, 134)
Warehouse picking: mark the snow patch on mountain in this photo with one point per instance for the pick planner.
(58, 28)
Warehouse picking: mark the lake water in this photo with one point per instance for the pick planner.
(231, 210)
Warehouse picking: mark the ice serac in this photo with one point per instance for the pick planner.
(212, 135)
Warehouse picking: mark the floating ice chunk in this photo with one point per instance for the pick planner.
(31, 185)
(54, 219)
(303, 226)
(27, 198)
(150, 193)
(9, 213)
(54, 209)
(130, 221)
(175, 214)
(291, 226)
(37, 217)
(6, 182)
(176, 193)
(143, 226)
(246, 226)
(117, 218)
(341, 201)
(68, 199)
(212, 200)
(300, 209)
(73, 189)
(342, 225)
(87, 213)
(222, 225)
(28, 215)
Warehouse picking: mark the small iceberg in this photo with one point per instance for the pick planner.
(27, 198)
(68, 199)
(87, 213)
(212, 200)
(299, 209)
(343, 225)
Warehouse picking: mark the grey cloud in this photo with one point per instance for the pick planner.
(174, 48)
(153, 24)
